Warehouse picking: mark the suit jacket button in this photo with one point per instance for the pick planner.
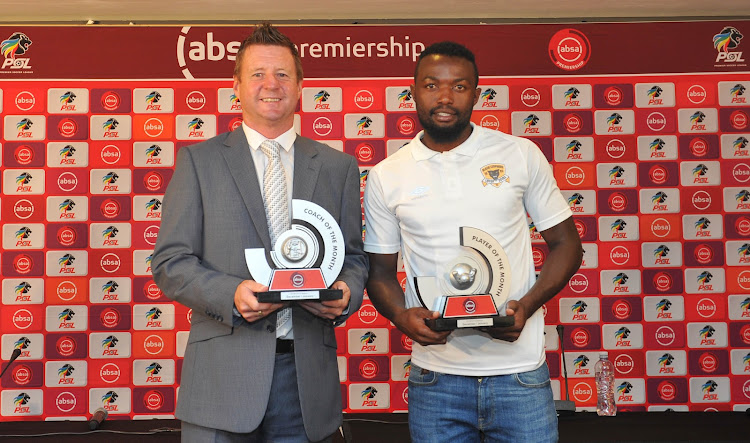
(220, 318)
(270, 328)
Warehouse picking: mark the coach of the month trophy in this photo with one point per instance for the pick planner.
(473, 288)
(306, 258)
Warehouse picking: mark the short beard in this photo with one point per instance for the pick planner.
(445, 134)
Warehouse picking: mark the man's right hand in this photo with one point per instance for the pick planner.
(412, 323)
(247, 303)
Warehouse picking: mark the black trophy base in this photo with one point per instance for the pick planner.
(565, 407)
(449, 324)
(299, 295)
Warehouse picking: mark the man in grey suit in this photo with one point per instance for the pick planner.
(248, 375)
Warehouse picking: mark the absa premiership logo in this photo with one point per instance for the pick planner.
(569, 49)
(17, 44)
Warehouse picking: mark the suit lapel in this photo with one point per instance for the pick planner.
(306, 169)
(242, 169)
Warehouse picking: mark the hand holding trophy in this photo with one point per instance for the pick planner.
(307, 258)
(473, 288)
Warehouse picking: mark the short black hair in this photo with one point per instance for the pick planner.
(450, 49)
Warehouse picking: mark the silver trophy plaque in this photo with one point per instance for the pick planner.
(473, 288)
(305, 260)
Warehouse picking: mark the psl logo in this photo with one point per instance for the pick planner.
(367, 340)
(621, 336)
(110, 290)
(64, 373)
(152, 371)
(17, 44)
(151, 101)
(615, 176)
(109, 181)
(728, 38)
(736, 92)
(109, 127)
(657, 147)
(152, 318)
(362, 125)
(705, 335)
(404, 100)
(745, 307)
(20, 403)
(742, 198)
(234, 103)
(66, 263)
(24, 128)
(613, 123)
(665, 364)
(23, 343)
(662, 307)
(109, 235)
(573, 147)
(699, 174)
(618, 226)
(575, 202)
(488, 97)
(109, 344)
(580, 364)
(623, 390)
(740, 146)
(619, 281)
(66, 155)
(660, 254)
(368, 394)
(320, 99)
(578, 308)
(708, 389)
(530, 123)
(22, 235)
(704, 278)
(535, 235)
(194, 127)
(658, 199)
(108, 401)
(66, 319)
(653, 95)
(66, 101)
(22, 290)
(696, 121)
(65, 207)
(744, 253)
(570, 97)
(701, 227)
(152, 208)
(152, 152)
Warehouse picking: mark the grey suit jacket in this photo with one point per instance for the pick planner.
(213, 210)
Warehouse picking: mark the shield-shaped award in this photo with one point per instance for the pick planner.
(473, 288)
(306, 258)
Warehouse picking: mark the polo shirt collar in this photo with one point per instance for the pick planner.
(468, 148)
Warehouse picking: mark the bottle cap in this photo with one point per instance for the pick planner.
(603, 354)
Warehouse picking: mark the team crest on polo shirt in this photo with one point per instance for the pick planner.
(494, 174)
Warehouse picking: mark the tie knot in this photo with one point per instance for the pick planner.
(270, 148)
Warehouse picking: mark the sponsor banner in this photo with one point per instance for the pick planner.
(666, 363)
(622, 336)
(158, 400)
(628, 363)
(659, 200)
(369, 368)
(115, 400)
(664, 308)
(28, 209)
(661, 335)
(66, 290)
(368, 341)
(709, 362)
(369, 396)
(705, 308)
(620, 282)
(668, 390)
(22, 291)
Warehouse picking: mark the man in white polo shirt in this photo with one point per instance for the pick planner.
(471, 384)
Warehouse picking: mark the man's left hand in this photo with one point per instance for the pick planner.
(330, 309)
(510, 333)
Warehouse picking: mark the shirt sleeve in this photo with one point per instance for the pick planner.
(543, 200)
(382, 235)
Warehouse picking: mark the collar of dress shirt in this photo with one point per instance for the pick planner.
(254, 138)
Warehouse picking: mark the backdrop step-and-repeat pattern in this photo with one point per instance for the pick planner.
(645, 125)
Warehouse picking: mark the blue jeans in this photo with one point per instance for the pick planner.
(503, 408)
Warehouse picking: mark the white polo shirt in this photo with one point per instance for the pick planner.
(416, 200)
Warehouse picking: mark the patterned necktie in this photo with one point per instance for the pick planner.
(277, 212)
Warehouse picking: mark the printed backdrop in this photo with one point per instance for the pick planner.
(645, 124)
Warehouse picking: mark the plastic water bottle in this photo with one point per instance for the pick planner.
(604, 372)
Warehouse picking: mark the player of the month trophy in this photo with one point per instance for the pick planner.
(473, 287)
(306, 258)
